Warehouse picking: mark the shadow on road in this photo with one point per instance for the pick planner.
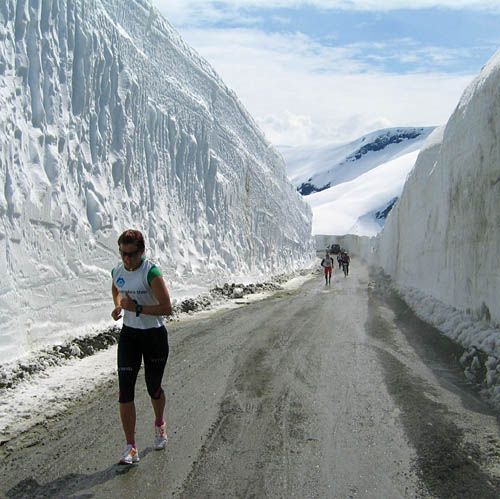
(437, 351)
(448, 465)
(71, 483)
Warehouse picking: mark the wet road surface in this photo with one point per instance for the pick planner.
(321, 392)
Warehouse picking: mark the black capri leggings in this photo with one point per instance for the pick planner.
(133, 345)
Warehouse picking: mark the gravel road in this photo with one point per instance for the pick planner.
(320, 392)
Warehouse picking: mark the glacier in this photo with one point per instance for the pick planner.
(109, 120)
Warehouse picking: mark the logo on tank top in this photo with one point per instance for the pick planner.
(120, 282)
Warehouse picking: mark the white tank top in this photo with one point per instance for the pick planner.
(136, 284)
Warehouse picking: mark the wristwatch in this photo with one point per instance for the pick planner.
(138, 310)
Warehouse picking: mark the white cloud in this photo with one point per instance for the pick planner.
(300, 91)
(198, 12)
(409, 51)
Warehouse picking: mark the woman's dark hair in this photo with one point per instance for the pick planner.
(132, 236)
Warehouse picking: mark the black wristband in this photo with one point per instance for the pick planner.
(138, 309)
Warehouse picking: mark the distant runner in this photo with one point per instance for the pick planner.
(345, 263)
(140, 293)
(327, 264)
(339, 259)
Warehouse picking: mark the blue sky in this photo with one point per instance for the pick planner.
(468, 37)
(331, 70)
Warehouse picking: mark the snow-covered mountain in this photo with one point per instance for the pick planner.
(322, 167)
(352, 187)
(108, 120)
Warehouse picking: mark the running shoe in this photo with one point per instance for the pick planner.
(161, 438)
(130, 455)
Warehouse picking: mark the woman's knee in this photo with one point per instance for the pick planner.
(155, 391)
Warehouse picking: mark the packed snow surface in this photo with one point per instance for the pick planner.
(110, 121)
(351, 187)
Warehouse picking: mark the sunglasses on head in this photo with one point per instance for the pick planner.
(130, 254)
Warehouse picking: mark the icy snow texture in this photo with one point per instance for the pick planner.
(443, 237)
(109, 121)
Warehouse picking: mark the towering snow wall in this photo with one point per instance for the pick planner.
(108, 120)
(443, 237)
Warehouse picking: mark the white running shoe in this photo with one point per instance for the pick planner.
(130, 455)
(161, 438)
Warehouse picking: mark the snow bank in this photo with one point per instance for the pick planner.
(30, 391)
(357, 246)
(110, 121)
(479, 338)
(443, 236)
(441, 242)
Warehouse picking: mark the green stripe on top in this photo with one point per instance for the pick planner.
(154, 271)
